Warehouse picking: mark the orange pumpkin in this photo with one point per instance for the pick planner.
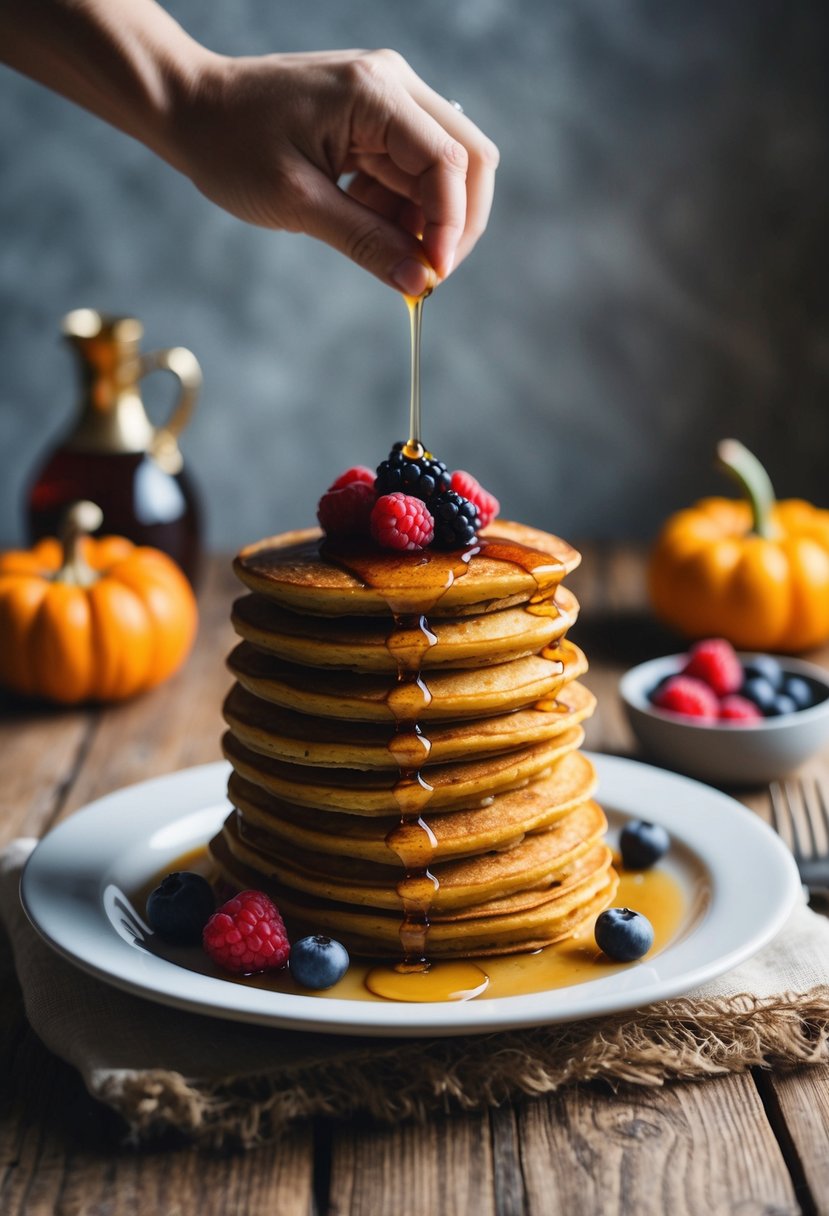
(754, 571)
(91, 620)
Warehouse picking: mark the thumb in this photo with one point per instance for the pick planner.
(368, 238)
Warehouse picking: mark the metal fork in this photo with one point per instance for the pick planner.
(811, 859)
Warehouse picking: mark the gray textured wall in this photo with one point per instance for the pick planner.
(654, 275)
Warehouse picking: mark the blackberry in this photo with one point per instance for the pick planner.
(456, 520)
(422, 478)
(180, 907)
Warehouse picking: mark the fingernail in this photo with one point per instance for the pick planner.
(411, 276)
(450, 262)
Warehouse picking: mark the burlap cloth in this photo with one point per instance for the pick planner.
(220, 1082)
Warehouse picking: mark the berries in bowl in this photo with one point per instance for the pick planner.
(728, 717)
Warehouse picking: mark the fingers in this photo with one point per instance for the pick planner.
(393, 206)
(419, 148)
(483, 161)
(369, 232)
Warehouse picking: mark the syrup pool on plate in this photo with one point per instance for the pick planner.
(655, 893)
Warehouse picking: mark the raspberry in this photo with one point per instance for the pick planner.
(685, 695)
(346, 512)
(456, 520)
(358, 473)
(739, 709)
(247, 935)
(715, 662)
(467, 486)
(421, 478)
(400, 521)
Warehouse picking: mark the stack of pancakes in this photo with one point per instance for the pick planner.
(404, 733)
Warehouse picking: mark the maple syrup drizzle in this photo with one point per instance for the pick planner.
(412, 840)
(413, 585)
(414, 448)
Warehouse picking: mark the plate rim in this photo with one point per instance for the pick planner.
(348, 1017)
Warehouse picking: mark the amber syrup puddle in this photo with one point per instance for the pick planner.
(655, 893)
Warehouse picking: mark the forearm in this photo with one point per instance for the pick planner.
(127, 61)
(269, 137)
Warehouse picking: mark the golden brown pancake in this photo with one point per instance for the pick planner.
(362, 643)
(303, 574)
(538, 861)
(504, 820)
(358, 792)
(375, 933)
(448, 694)
(304, 739)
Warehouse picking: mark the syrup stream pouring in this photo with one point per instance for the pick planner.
(414, 447)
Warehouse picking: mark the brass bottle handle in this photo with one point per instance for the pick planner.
(185, 367)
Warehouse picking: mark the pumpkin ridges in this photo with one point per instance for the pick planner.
(20, 600)
(18, 562)
(170, 605)
(760, 600)
(122, 640)
(59, 645)
(809, 577)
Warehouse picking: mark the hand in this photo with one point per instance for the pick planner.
(268, 139)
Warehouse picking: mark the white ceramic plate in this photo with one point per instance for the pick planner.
(73, 890)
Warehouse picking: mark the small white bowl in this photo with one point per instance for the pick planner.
(719, 752)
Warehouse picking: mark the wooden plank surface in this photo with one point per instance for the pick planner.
(797, 1104)
(442, 1168)
(698, 1147)
(723, 1145)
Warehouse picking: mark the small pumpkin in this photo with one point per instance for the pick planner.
(754, 571)
(91, 620)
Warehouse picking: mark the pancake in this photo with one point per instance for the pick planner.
(300, 572)
(453, 694)
(404, 734)
(361, 792)
(305, 739)
(362, 644)
(374, 933)
(538, 861)
(463, 833)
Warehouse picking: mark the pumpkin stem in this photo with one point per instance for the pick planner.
(741, 464)
(80, 519)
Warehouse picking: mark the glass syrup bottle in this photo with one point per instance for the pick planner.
(114, 455)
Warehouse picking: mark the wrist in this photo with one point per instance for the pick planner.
(194, 84)
(186, 74)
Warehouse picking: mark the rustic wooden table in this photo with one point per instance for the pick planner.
(753, 1143)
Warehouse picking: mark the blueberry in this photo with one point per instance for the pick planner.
(760, 691)
(623, 935)
(642, 844)
(180, 907)
(800, 691)
(765, 666)
(781, 705)
(318, 962)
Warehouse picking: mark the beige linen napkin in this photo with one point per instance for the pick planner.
(217, 1081)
